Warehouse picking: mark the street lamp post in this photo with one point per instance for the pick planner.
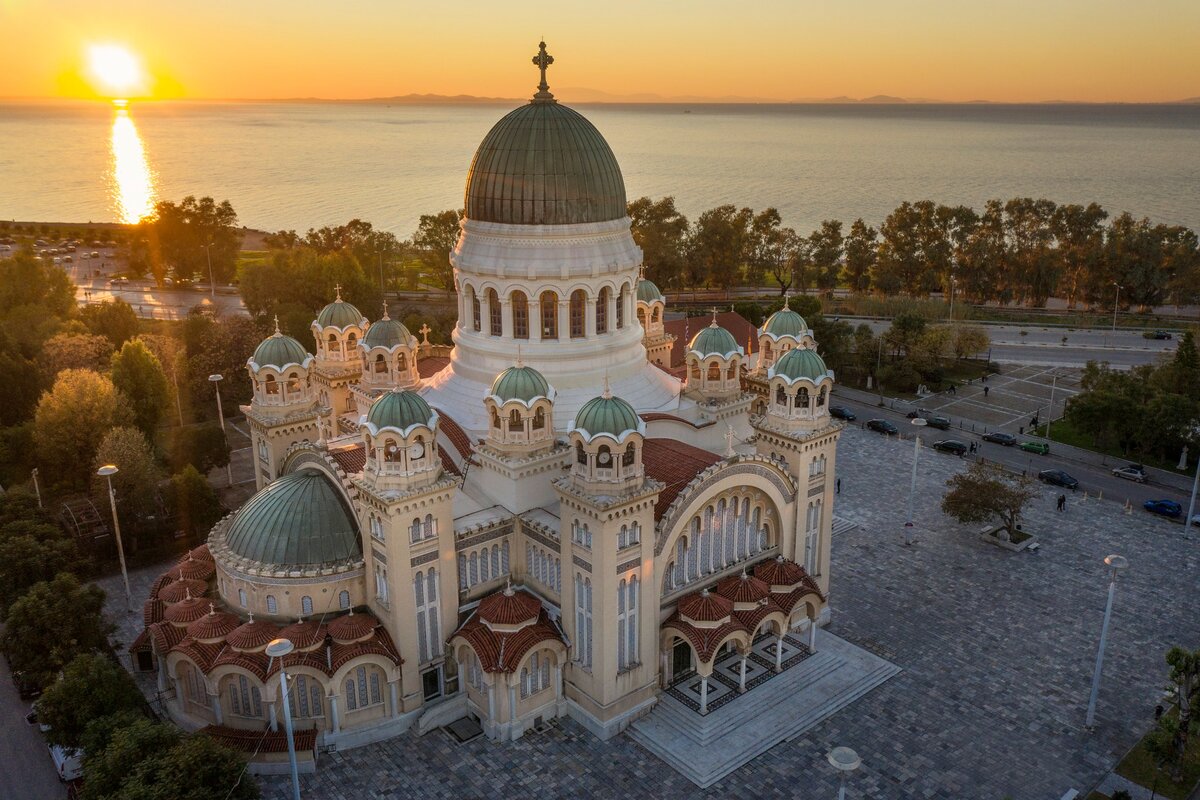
(1115, 563)
(953, 283)
(278, 648)
(36, 489)
(912, 487)
(845, 761)
(106, 472)
(1187, 521)
(216, 381)
(212, 285)
(1116, 305)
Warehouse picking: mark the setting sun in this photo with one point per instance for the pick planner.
(114, 70)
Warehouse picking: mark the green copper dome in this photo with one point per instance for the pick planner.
(785, 322)
(713, 341)
(300, 519)
(520, 383)
(339, 314)
(606, 415)
(648, 292)
(800, 364)
(400, 410)
(279, 351)
(544, 164)
(387, 333)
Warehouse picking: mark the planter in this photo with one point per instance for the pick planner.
(998, 536)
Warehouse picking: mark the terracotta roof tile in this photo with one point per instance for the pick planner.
(431, 365)
(304, 634)
(214, 625)
(674, 464)
(502, 652)
(779, 571)
(152, 612)
(252, 635)
(268, 741)
(744, 332)
(201, 553)
(754, 617)
(352, 460)
(141, 642)
(743, 588)
(186, 611)
(164, 636)
(197, 569)
(704, 607)
(161, 581)
(379, 644)
(351, 627)
(254, 663)
(509, 608)
(447, 462)
(178, 590)
(704, 640)
(204, 655)
(454, 432)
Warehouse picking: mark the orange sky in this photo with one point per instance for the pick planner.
(1011, 50)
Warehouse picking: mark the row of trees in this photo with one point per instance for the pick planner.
(1021, 250)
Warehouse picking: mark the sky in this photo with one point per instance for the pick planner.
(998, 50)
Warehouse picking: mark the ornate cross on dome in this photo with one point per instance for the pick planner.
(338, 291)
(543, 60)
(425, 331)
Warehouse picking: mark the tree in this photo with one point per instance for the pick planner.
(138, 375)
(92, 686)
(203, 446)
(172, 357)
(970, 340)
(194, 768)
(136, 485)
(184, 236)
(51, 624)
(114, 747)
(1185, 674)
(1035, 269)
(72, 419)
(860, 255)
(984, 493)
(26, 281)
(717, 247)
(661, 231)
(434, 240)
(74, 351)
(112, 319)
(219, 345)
(32, 551)
(983, 264)
(294, 284)
(1079, 231)
(763, 241)
(21, 386)
(192, 502)
(825, 254)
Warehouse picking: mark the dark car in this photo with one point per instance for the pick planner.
(841, 412)
(1056, 477)
(951, 446)
(941, 423)
(1156, 335)
(1006, 439)
(1164, 508)
(882, 426)
(26, 687)
(920, 412)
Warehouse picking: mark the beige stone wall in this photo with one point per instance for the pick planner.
(288, 593)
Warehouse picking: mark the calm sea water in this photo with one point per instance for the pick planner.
(305, 165)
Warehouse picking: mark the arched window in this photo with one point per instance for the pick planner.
(495, 326)
(306, 698)
(272, 606)
(641, 315)
(430, 526)
(821, 398)
(495, 419)
(714, 371)
(380, 364)
(621, 300)
(583, 620)
(242, 597)
(515, 425)
(656, 314)
(244, 700)
(425, 592)
(293, 382)
(495, 561)
(306, 606)
(271, 385)
(343, 599)
(520, 310)
(578, 298)
(766, 352)
(780, 395)
(580, 454)
(802, 398)
(351, 342)
(475, 314)
(602, 311)
(549, 302)
(627, 458)
(539, 419)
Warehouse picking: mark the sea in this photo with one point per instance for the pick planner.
(304, 165)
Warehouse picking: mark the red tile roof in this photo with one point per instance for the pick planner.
(152, 612)
(705, 641)
(431, 365)
(164, 636)
(454, 432)
(197, 569)
(254, 663)
(350, 627)
(779, 571)
(252, 635)
(754, 617)
(503, 652)
(178, 590)
(674, 464)
(704, 607)
(743, 588)
(186, 611)
(203, 655)
(509, 608)
(214, 625)
(161, 581)
(447, 462)
(304, 634)
(352, 460)
(268, 741)
(142, 642)
(201, 553)
(380, 644)
(653, 416)
(790, 600)
(745, 333)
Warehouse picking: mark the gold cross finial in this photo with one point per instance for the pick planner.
(607, 390)
(786, 297)
(338, 291)
(425, 331)
(277, 331)
(543, 60)
(385, 314)
(714, 319)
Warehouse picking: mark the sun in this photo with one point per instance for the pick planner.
(114, 71)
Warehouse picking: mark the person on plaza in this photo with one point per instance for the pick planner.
(837, 486)
(985, 390)
(953, 389)
(1062, 502)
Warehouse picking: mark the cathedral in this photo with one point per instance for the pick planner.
(541, 520)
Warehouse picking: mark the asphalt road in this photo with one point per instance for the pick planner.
(26, 771)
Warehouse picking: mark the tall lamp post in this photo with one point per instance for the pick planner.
(1187, 521)
(1115, 563)
(953, 284)
(212, 285)
(106, 472)
(1116, 305)
(216, 382)
(36, 489)
(278, 648)
(912, 487)
(845, 761)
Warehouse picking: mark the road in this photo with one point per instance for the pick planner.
(26, 771)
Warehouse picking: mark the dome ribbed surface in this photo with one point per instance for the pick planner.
(800, 364)
(386, 333)
(713, 340)
(705, 607)
(187, 611)
(303, 635)
(339, 314)
(544, 164)
(179, 590)
(520, 383)
(214, 625)
(648, 292)
(352, 627)
(608, 415)
(779, 572)
(400, 410)
(785, 322)
(252, 635)
(298, 520)
(278, 351)
(509, 608)
(743, 588)
(194, 569)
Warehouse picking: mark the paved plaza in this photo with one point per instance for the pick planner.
(995, 650)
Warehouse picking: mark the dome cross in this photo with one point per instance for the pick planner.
(542, 61)
(338, 292)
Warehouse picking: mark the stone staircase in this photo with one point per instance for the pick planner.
(705, 749)
(841, 524)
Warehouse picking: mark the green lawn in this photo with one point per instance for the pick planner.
(1063, 431)
(1139, 767)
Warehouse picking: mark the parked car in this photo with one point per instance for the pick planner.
(941, 423)
(951, 446)
(26, 688)
(68, 762)
(841, 412)
(1156, 335)
(1131, 472)
(1164, 508)
(882, 426)
(1041, 448)
(920, 412)
(1056, 477)
(999, 437)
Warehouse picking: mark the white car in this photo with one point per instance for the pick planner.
(1131, 472)
(68, 762)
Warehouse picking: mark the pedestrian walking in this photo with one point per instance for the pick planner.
(986, 389)
(1062, 502)
(953, 389)
(837, 486)
(1021, 431)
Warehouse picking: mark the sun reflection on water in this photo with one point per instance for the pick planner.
(132, 181)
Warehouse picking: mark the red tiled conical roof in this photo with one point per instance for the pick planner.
(187, 610)
(304, 634)
(178, 590)
(194, 568)
(200, 553)
(214, 625)
(779, 571)
(705, 607)
(252, 635)
(743, 588)
(352, 627)
(509, 607)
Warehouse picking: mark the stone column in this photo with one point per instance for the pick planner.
(704, 695)
(812, 635)
(589, 316)
(535, 319)
(611, 311)
(333, 714)
(558, 692)
(394, 691)
(564, 319)
(742, 675)
(215, 702)
(506, 317)
(512, 704)
(271, 720)
(665, 668)
(162, 674)
(779, 654)
(491, 694)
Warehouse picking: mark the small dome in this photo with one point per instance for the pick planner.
(352, 627)
(607, 415)
(800, 364)
(785, 322)
(279, 351)
(780, 572)
(340, 314)
(714, 341)
(401, 410)
(705, 607)
(743, 588)
(214, 625)
(305, 634)
(179, 590)
(509, 607)
(520, 383)
(648, 292)
(194, 569)
(187, 611)
(200, 553)
(388, 333)
(252, 635)
(301, 519)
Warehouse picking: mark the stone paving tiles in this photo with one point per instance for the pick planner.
(996, 650)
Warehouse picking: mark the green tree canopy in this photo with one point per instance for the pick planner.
(661, 231)
(32, 551)
(136, 485)
(114, 747)
(192, 502)
(51, 624)
(984, 493)
(71, 421)
(21, 386)
(183, 236)
(860, 247)
(92, 686)
(138, 375)
(112, 319)
(194, 768)
(74, 351)
(436, 236)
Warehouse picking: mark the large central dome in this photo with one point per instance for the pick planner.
(544, 164)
